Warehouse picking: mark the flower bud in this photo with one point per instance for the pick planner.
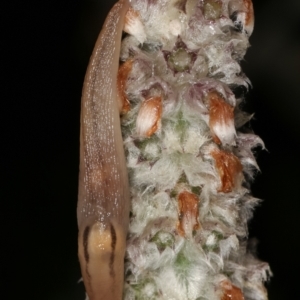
(229, 168)
(123, 73)
(243, 15)
(230, 291)
(188, 213)
(134, 26)
(221, 119)
(148, 119)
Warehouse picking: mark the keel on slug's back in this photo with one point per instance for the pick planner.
(103, 204)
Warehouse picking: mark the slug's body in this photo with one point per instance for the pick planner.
(103, 205)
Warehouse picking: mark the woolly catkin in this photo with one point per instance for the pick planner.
(188, 155)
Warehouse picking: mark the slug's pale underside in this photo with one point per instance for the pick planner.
(103, 204)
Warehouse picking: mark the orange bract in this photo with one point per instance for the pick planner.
(130, 16)
(220, 116)
(188, 212)
(249, 12)
(134, 26)
(123, 73)
(229, 168)
(231, 292)
(149, 115)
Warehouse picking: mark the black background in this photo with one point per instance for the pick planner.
(45, 48)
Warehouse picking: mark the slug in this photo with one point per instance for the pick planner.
(103, 201)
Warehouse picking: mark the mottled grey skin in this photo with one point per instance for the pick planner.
(103, 204)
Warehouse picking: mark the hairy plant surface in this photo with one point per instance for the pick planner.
(189, 156)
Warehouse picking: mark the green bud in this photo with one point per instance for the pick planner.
(180, 60)
(212, 9)
(163, 240)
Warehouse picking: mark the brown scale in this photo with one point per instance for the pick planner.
(230, 291)
(131, 15)
(229, 168)
(123, 73)
(212, 9)
(149, 116)
(188, 211)
(220, 113)
(249, 12)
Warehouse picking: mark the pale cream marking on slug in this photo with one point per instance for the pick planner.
(101, 253)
